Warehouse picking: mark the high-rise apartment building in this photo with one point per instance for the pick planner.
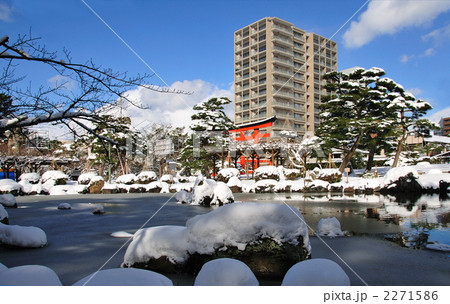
(278, 72)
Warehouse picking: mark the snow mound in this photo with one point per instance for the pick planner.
(225, 272)
(54, 175)
(22, 236)
(127, 179)
(430, 181)
(330, 227)
(146, 177)
(29, 275)
(222, 194)
(121, 234)
(316, 272)
(203, 192)
(64, 206)
(234, 181)
(9, 186)
(32, 178)
(225, 174)
(8, 200)
(98, 209)
(124, 277)
(267, 172)
(85, 178)
(183, 197)
(395, 173)
(239, 224)
(155, 242)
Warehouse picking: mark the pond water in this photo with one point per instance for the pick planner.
(79, 243)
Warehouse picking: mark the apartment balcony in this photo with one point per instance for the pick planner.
(284, 62)
(281, 82)
(285, 105)
(282, 50)
(282, 72)
(283, 41)
(282, 29)
(282, 93)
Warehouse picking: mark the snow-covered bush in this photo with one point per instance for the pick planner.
(291, 174)
(55, 177)
(85, 178)
(127, 179)
(222, 194)
(124, 277)
(329, 175)
(146, 177)
(183, 197)
(8, 200)
(316, 272)
(3, 216)
(235, 184)
(225, 272)
(316, 186)
(22, 236)
(109, 188)
(224, 175)
(267, 172)
(168, 178)
(330, 227)
(266, 186)
(203, 192)
(8, 186)
(32, 178)
(430, 181)
(29, 275)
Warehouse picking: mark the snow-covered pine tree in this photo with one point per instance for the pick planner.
(356, 110)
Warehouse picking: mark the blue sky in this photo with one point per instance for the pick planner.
(190, 43)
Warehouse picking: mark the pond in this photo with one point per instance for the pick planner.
(79, 242)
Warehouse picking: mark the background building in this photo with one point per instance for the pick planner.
(278, 71)
(444, 123)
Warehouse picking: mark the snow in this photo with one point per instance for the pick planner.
(30, 177)
(108, 186)
(145, 176)
(228, 172)
(438, 247)
(266, 171)
(98, 209)
(8, 200)
(234, 181)
(126, 179)
(8, 185)
(3, 213)
(316, 272)
(432, 178)
(225, 272)
(395, 173)
(121, 234)
(124, 277)
(155, 242)
(22, 236)
(29, 275)
(203, 189)
(329, 227)
(222, 194)
(237, 225)
(183, 197)
(54, 175)
(85, 178)
(64, 206)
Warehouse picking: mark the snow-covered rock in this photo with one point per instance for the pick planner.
(22, 236)
(267, 172)
(109, 188)
(152, 187)
(316, 272)
(98, 209)
(85, 178)
(58, 177)
(29, 275)
(430, 181)
(145, 177)
(3, 216)
(203, 192)
(96, 185)
(222, 194)
(124, 277)
(235, 184)
(32, 178)
(127, 179)
(225, 174)
(329, 175)
(8, 186)
(266, 186)
(225, 272)
(64, 206)
(168, 178)
(330, 227)
(8, 200)
(317, 186)
(183, 197)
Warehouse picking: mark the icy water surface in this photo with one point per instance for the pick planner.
(79, 242)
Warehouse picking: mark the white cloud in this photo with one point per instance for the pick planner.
(390, 17)
(436, 117)
(439, 35)
(63, 81)
(414, 91)
(405, 58)
(429, 52)
(5, 12)
(174, 109)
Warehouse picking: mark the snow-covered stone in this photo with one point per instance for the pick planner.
(3, 216)
(124, 277)
(58, 177)
(430, 181)
(109, 188)
(266, 186)
(127, 179)
(32, 178)
(329, 227)
(225, 174)
(267, 172)
(64, 206)
(401, 180)
(8, 186)
(8, 200)
(222, 194)
(329, 175)
(22, 236)
(317, 186)
(183, 197)
(316, 272)
(29, 275)
(168, 178)
(235, 184)
(96, 185)
(225, 272)
(145, 177)
(85, 178)
(122, 234)
(98, 209)
(203, 192)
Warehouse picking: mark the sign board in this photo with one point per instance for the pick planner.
(164, 147)
(347, 170)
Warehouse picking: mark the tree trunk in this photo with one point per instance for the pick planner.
(349, 155)
(371, 156)
(399, 150)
